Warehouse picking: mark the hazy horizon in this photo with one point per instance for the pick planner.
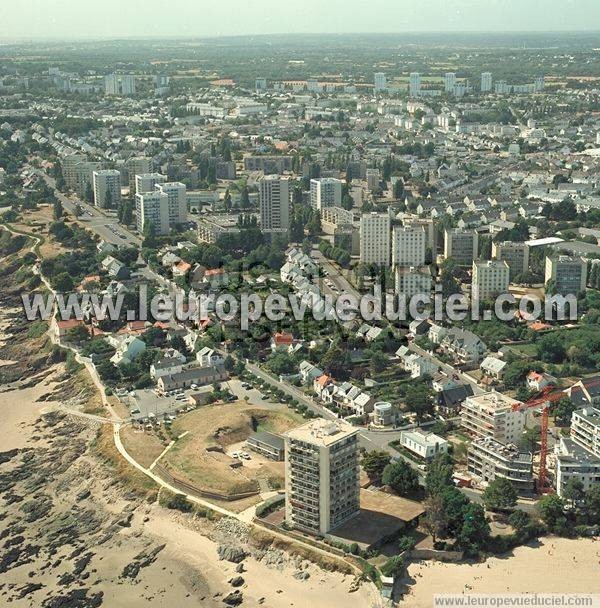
(76, 19)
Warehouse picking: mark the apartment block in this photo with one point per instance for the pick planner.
(326, 192)
(489, 459)
(413, 281)
(490, 278)
(152, 207)
(569, 274)
(137, 166)
(492, 415)
(107, 188)
(375, 239)
(461, 245)
(274, 203)
(177, 204)
(146, 182)
(321, 476)
(408, 246)
(516, 255)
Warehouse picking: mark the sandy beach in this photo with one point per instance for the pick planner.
(558, 565)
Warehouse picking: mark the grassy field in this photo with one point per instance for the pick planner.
(143, 447)
(222, 426)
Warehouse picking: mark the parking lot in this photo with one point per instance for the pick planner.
(151, 405)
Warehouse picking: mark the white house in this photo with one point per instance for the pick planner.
(424, 444)
(127, 347)
(208, 357)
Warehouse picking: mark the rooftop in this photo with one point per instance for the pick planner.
(322, 432)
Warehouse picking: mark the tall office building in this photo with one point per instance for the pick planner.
(274, 203)
(177, 203)
(569, 274)
(107, 188)
(516, 255)
(321, 476)
(152, 207)
(486, 82)
(111, 84)
(449, 82)
(127, 84)
(146, 182)
(408, 246)
(461, 245)
(260, 84)
(138, 165)
(325, 192)
(380, 82)
(415, 84)
(375, 239)
(490, 278)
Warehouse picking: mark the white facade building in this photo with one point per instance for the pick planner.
(325, 192)
(408, 246)
(321, 476)
(490, 278)
(375, 239)
(107, 188)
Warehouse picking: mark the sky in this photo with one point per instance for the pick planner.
(207, 18)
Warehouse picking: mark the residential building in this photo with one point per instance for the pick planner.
(408, 246)
(488, 459)
(152, 207)
(461, 245)
(516, 255)
(486, 82)
(375, 239)
(413, 281)
(127, 84)
(146, 182)
(177, 201)
(380, 82)
(490, 278)
(209, 357)
(567, 274)
(493, 415)
(321, 476)
(107, 188)
(463, 344)
(137, 165)
(274, 203)
(194, 375)
(414, 87)
(493, 367)
(449, 82)
(423, 444)
(325, 192)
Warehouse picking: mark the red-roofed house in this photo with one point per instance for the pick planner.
(281, 342)
(538, 381)
(60, 328)
(181, 269)
(321, 383)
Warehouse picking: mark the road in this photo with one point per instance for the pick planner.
(104, 224)
(334, 273)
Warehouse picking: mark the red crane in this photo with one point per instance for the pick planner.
(548, 396)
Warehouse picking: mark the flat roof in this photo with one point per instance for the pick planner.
(381, 515)
(322, 432)
(549, 240)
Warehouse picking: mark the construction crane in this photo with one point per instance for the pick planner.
(548, 396)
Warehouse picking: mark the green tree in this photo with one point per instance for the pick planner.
(57, 210)
(401, 477)
(500, 494)
(374, 464)
(435, 521)
(474, 534)
(439, 474)
(573, 491)
(552, 511)
(592, 504)
(393, 567)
